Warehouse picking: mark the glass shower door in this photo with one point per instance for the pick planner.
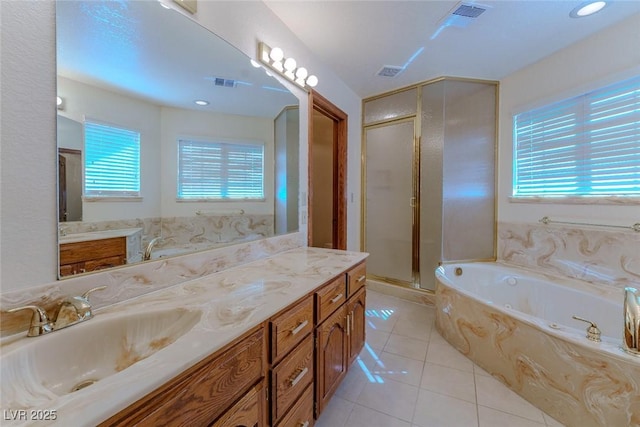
(389, 211)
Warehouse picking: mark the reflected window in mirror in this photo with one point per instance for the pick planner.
(112, 161)
(220, 170)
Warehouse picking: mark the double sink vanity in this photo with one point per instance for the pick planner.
(264, 343)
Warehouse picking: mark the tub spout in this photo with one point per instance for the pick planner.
(147, 252)
(631, 309)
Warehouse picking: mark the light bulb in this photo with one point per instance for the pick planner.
(300, 81)
(276, 54)
(289, 74)
(278, 66)
(58, 101)
(312, 81)
(290, 64)
(302, 73)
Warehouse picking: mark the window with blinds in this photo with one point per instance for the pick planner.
(220, 170)
(112, 161)
(588, 146)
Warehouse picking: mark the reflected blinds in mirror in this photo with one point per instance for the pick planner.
(112, 161)
(220, 170)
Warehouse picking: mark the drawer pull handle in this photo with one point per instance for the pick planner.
(299, 327)
(304, 424)
(298, 377)
(336, 298)
(361, 278)
(348, 324)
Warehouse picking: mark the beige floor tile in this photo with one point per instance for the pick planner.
(390, 397)
(393, 367)
(377, 339)
(365, 417)
(437, 410)
(353, 383)
(441, 353)
(493, 394)
(493, 418)
(407, 347)
(449, 381)
(380, 320)
(336, 413)
(413, 328)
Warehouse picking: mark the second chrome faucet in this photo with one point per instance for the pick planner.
(71, 310)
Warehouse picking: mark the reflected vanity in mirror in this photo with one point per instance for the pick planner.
(145, 172)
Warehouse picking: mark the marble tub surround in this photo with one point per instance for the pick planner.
(209, 228)
(128, 282)
(578, 382)
(602, 256)
(231, 302)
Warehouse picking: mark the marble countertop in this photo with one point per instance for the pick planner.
(97, 235)
(232, 302)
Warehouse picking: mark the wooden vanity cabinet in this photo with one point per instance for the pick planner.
(205, 392)
(341, 336)
(92, 255)
(331, 355)
(356, 321)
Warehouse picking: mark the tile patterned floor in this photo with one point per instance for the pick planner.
(409, 376)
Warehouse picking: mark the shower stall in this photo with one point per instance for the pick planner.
(429, 174)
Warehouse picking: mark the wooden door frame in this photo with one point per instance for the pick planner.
(319, 103)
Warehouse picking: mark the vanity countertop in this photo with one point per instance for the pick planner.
(232, 302)
(97, 235)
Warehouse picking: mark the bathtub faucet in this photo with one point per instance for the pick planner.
(631, 310)
(149, 248)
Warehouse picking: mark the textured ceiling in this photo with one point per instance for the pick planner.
(357, 38)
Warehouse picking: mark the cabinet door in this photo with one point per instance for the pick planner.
(331, 356)
(356, 315)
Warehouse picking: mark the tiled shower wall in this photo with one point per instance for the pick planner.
(601, 256)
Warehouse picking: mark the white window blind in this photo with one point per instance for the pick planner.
(112, 161)
(584, 146)
(220, 170)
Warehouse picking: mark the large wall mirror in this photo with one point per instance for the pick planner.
(169, 139)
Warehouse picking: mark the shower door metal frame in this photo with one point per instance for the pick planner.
(414, 201)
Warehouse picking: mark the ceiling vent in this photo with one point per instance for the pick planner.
(224, 82)
(389, 71)
(462, 15)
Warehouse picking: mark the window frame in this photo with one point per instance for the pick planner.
(583, 142)
(227, 142)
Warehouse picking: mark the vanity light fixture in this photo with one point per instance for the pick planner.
(274, 59)
(587, 8)
(201, 102)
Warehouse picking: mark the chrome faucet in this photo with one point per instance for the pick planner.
(149, 248)
(631, 311)
(71, 310)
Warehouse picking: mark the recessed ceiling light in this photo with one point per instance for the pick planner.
(588, 8)
(201, 102)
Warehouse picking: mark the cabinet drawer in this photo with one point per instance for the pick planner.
(301, 415)
(290, 327)
(330, 297)
(291, 377)
(99, 264)
(92, 249)
(203, 393)
(356, 278)
(246, 412)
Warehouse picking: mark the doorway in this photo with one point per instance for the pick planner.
(327, 223)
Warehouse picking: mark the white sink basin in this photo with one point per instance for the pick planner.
(62, 362)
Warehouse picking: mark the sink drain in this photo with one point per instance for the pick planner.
(83, 384)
